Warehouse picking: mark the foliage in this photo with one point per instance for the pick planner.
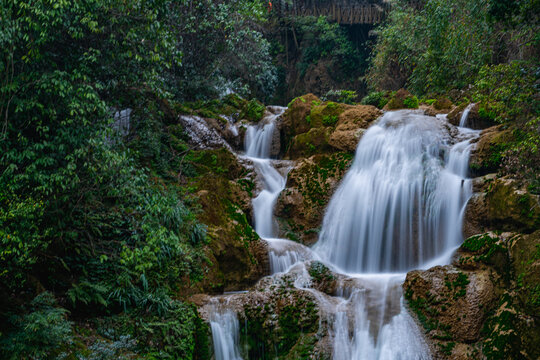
(342, 96)
(86, 212)
(322, 39)
(508, 94)
(222, 49)
(411, 102)
(39, 333)
(376, 98)
(437, 47)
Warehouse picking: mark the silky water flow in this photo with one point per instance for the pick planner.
(399, 207)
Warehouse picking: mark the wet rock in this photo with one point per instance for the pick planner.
(352, 124)
(442, 105)
(237, 257)
(202, 134)
(322, 278)
(503, 205)
(309, 143)
(294, 119)
(310, 184)
(487, 154)
(474, 119)
(275, 319)
(451, 304)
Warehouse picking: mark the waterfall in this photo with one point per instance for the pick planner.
(399, 207)
(465, 115)
(225, 334)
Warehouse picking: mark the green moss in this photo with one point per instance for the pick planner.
(289, 336)
(253, 110)
(326, 114)
(319, 272)
(447, 348)
(376, 98)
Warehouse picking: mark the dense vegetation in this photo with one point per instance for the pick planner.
(471, 51)
(97, 233)
(91, 221)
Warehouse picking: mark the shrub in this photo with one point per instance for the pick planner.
(40, 333)
(375, 98)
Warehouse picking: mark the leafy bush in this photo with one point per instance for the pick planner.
(411, 102)
(437, 47)
(342, 96)
(38, 334)
(376, 98)
(324, 40)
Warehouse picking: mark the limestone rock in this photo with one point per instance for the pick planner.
(486, 155)
(294, 119)
(474, 120)
(352, 124)
(310, 184)
(502, 205)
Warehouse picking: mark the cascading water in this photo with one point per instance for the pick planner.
(465, 115)
(225, 333)
(399, 207)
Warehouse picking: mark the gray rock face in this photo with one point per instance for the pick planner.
(201, 135)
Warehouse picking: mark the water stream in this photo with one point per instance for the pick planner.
(399, 207)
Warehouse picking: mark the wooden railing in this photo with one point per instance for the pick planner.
(341, 11)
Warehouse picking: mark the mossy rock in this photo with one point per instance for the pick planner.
(326, 114)
(300, 207)
(315, 141)
(294, 118)
(525, 255)
(253, 110)
(511, 209)
(282, 327)
(488, 153)
(442, 103)
(237, 258)
(476, 119)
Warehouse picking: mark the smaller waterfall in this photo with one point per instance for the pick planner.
(225, 334)
(382, 328)
(465, 115)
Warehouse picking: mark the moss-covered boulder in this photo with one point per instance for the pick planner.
(295, 118)
(351, 125)
(237, 257)
(315, 141)
(440, 105)
(484, 305)
(488, 152)
(285, 327)
(310, 184)
(503, 204)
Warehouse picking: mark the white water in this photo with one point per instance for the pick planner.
(225, 334)
(399, 207)
(465, 115)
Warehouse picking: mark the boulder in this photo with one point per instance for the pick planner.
(402, 99)
(310, 184)
(503, 205)
(309, 143)
(294, 118)
(352, 124)
(487, 154)
(474, 118)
